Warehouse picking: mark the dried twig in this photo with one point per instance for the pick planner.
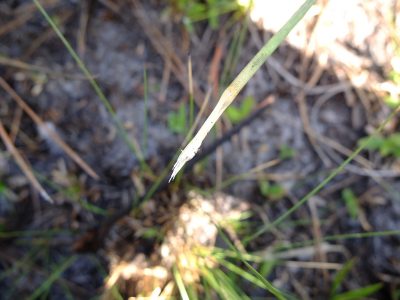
(51, 132)
(166, 50)
(24, 165)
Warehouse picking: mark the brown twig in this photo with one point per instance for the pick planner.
(14, 63)
(53, 134)
(83, 24)
(24, 165)
(166, 50)
(16, 122)
(316, 229)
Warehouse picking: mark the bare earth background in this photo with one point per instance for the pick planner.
(344, 54)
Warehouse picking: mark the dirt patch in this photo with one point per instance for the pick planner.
(39, 239)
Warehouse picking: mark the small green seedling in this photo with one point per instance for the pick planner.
(272, 191)
(177, 120)
(3, 188)
(152, 233)
(286, 152)
(351, 202)
(360, 293)
(237, 114)
(387, 146)
(196, 10)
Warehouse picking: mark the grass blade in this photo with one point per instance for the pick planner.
(340, 276)
(313, 192)
(181, 285)
(361, 293)
(46, 285)
(24, 165)
(95, 86)
(236, 86)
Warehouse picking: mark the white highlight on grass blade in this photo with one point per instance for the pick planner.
(236, 86)
(191, 149)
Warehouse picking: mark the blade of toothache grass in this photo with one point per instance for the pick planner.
(237, 85)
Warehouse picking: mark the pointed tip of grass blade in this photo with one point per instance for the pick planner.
(180, 162)
(46, 197)
(187, 154)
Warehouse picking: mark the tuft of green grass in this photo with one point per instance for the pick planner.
(238, 113)
(193, 11)
(177, 120)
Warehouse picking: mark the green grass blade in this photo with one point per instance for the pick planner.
(235, 269)
(221, 284)
(46, 285)
(181, 285)
(146, 101)
(267, 285)
(95, 86)
(237, 85)
(358, 294)
(340, 276)
(359, 235)
(313, 192)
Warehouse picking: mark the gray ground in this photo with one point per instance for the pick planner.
(116, 53)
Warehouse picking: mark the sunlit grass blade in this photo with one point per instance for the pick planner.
(180, 284)
(237, 85)
(95, 86)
